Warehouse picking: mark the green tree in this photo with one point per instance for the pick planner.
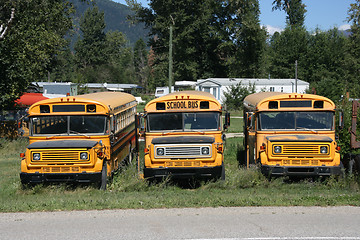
(294, 9)
(285, 48)
(119, 58)
(195, 41)
(90, 49)
(235, 95)
(211, 38)
(30, 43)
(291, 45)
(325, 63)
(141, 64)
(246, 38)
(102, 57)
(353, 50)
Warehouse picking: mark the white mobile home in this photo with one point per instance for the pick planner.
(217, 86)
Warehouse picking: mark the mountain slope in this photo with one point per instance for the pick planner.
(115, 19)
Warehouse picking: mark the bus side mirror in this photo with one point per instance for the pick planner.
(139, 124)
(227, 120)
(249, 120)
(112, 124)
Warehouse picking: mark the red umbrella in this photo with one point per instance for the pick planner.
(28, 99)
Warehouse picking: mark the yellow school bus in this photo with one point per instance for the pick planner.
(184, 136)
(80, 139)
(291, 134)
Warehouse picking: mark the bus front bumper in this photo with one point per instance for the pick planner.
(300, 171)
(27, 178)
(208, 172)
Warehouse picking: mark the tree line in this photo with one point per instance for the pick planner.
(211, 38)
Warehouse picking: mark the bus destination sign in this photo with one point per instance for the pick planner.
(182, 105)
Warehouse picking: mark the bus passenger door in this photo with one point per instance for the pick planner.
(251, 138)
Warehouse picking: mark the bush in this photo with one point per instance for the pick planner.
(236, 94)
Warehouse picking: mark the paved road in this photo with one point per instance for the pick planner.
(249, 223)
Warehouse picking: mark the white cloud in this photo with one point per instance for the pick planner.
(271, 29)
(344, 27)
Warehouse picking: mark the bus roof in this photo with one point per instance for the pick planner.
(184, 96)
(111, 100)
(253, 101)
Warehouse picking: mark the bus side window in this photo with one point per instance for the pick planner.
(112, 124)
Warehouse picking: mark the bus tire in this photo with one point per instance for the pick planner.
(356, 165)
(222, 177)
(103, 180)
(130, 157)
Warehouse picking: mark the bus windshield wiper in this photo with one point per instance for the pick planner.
(306, 129)
(57, 135)
(171, 131)
(80, 134)
(195, 130)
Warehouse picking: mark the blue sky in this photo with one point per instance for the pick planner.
(324, 14)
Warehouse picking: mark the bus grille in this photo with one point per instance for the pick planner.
(184, 151)
(305, 150)
(63, 156)
(60, 156)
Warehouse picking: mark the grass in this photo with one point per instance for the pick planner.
(243, 187)
(236, 125)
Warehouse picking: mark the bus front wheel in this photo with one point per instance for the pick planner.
(222, 172)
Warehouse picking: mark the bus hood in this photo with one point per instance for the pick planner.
(183, 139)
(299, 138)
(63, 144)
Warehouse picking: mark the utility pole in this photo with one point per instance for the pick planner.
(296, 75)
(170, 58)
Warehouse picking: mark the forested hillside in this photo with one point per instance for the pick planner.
(115, 19)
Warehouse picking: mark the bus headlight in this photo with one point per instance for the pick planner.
(324, 149)
(277, 149)
(36, 156)
(84, 156)
(160, 151)
(205, 150)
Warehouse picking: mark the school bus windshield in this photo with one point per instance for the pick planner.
(183, 121)
(296, 120)
(68, 125)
